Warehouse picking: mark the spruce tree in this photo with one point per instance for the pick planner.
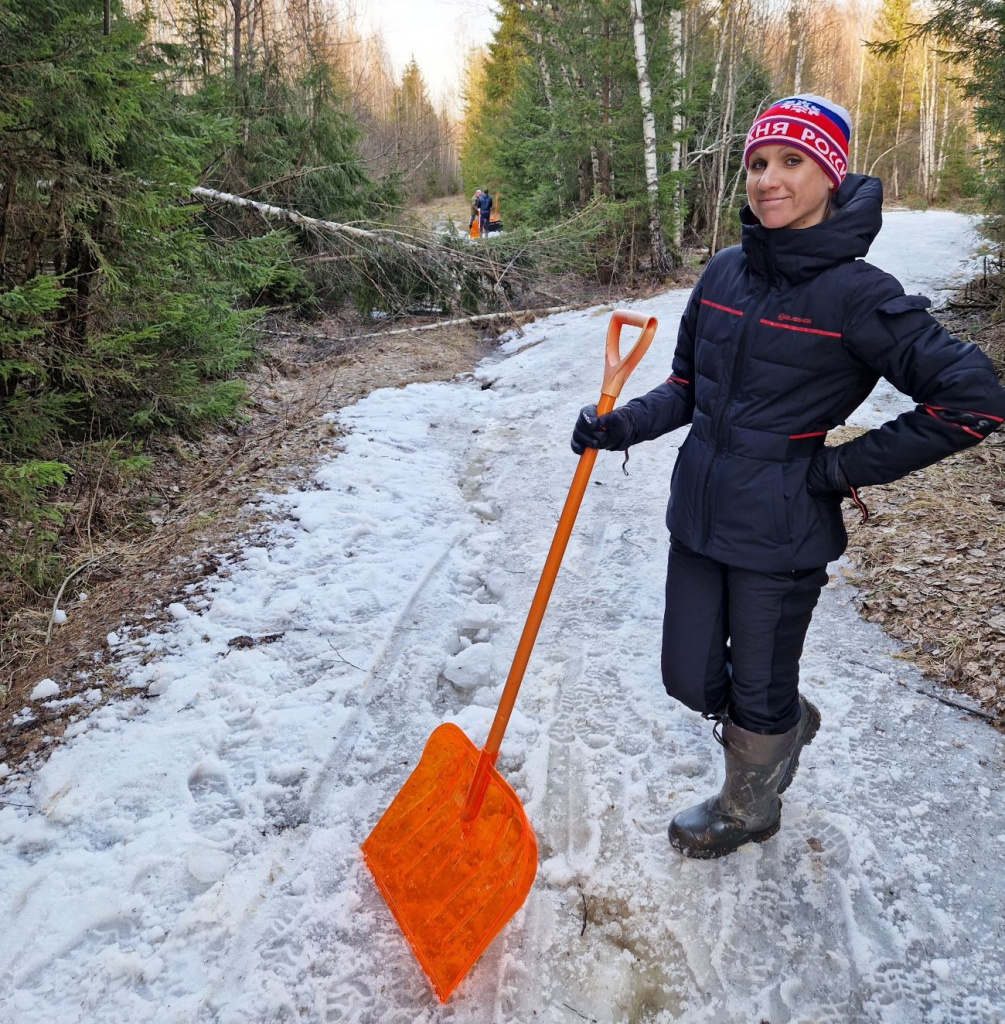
(118, 312)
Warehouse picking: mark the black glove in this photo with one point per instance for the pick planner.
(609, 431)
(826, 476)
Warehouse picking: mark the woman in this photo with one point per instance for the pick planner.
(783, 337)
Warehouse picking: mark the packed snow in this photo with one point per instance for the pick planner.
(191, 854)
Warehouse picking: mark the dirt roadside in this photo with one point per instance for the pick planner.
(201, 505)
(929, 566)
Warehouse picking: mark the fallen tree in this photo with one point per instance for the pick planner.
(515, 316)
(391, 269)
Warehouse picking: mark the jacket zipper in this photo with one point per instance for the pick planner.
(720, 424)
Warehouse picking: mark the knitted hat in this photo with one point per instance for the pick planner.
(816, 126)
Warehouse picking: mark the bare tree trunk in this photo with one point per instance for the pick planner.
(981, 150)
(584, 188)
(542, 69)
(10, 190)
(797, 78)
(872, 123)
(721, 163)
(795, 21)
(933, 124)
(677, 150)
(858, 108)
(236, 5)
(927, 120)
(606, 162)
(106, 25)
(581, 177)
(720, 49)
(598, 179)
(900, 121)
(661, 264)
(940, 164)
(257, 20)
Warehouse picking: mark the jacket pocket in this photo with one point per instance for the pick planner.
(815, 519)
(749, 503)
(905, 315)
(904, 304)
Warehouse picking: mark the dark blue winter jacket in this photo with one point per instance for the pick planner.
(783, 338)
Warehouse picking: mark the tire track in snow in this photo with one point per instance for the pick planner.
(372, 689)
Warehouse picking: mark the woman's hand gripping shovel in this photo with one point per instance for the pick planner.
(454, 855)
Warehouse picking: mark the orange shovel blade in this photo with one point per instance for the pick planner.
(451, 885)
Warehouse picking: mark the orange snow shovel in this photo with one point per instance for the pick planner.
(454, 855)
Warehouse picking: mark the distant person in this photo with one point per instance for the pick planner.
(484, 211)
(783, 338)
(475, 208)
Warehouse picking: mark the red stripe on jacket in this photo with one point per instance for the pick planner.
(802, 330)
(969, 412)
(930, 409)
(725, 309)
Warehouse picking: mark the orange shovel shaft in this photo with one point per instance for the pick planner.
(544, 587)
(616, 372)
(490, 751)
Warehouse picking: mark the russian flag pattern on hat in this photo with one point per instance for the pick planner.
(812, 124)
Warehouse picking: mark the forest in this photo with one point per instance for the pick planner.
(174, 170)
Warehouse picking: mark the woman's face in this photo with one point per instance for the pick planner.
(786, 188)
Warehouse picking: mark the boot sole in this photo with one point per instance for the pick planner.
(814, 725)
(699, 853)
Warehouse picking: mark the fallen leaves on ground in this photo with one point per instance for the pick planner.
(930, 569)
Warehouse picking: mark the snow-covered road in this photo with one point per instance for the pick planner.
(192, 855)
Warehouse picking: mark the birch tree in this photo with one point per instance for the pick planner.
(662, 265)
(677, 152)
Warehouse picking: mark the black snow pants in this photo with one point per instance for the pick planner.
(732, 638)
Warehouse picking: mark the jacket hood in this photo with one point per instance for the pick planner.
(798, 254)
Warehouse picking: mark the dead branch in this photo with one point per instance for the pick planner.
(986, 715)
(280, 213)
(55, 604)
(532, 313)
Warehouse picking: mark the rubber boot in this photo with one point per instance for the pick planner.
(809, 722)
(747, 808)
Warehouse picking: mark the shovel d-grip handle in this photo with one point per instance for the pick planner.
(617, 369)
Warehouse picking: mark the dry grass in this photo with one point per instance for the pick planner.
(435, 211)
